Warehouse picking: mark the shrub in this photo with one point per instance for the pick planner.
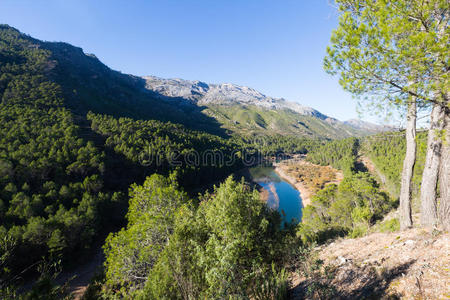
(271, 286)
(391, 225)
(351, 207)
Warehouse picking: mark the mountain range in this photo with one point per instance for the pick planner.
(243, 109)
(75, 134)
(221, 109)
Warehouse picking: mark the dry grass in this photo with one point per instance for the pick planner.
(412, 264)
(312, 177)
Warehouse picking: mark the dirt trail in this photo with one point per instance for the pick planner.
(80, 277)
(370, 166)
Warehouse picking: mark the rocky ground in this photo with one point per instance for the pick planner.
(412, 264)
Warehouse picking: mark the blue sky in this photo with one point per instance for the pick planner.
(276, 47)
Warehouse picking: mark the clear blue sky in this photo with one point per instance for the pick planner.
(276, 47)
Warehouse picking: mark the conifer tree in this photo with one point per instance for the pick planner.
(395, 53)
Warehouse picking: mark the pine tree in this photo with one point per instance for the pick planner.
(395, 54)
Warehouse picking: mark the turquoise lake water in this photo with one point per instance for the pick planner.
(282, 195)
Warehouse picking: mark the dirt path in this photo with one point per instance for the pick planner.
(80, 277)
(372, 169)
(370, 166)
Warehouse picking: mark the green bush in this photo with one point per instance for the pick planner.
(132, 252)
(319, 277)
(348, 208)
(272, 286)
(391, 225)
(175, 251)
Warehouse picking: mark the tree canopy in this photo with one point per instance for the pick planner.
(392, 50)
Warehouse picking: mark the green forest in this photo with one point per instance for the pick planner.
(93, 164)
(63, 184)
(62, 179)
(354, 205)
(387, 152)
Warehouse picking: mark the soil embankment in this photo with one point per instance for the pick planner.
(411, 264)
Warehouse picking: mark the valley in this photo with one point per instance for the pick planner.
(121, 186)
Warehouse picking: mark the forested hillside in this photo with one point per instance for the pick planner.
(64, 173)
(387, 152)
(244, 110)
(349, 208)
(340, 154)
(52, 185)
(75, 135)
(153, 177)
(254, 119)
(198, 157)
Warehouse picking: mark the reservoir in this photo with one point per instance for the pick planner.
(282, 195)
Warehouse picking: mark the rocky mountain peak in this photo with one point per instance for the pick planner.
(203, 93)
(367, 126)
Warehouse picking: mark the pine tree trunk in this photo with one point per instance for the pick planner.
(408, 167)
(428, 213)
(444, 177)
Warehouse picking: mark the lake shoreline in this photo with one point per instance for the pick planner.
(305, 194)
(278, 193)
